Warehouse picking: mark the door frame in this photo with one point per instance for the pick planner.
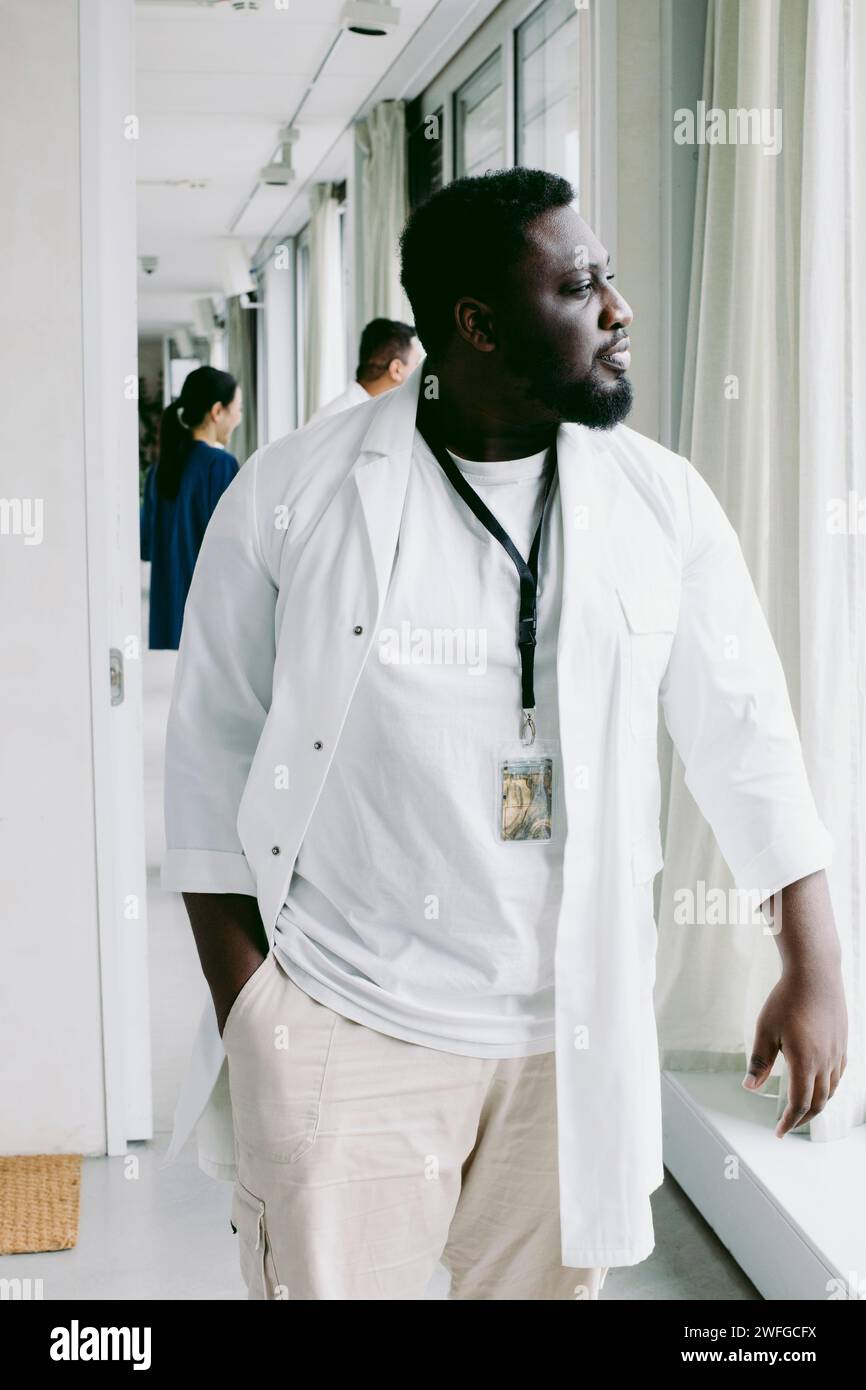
(109, 355)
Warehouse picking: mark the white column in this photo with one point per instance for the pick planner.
(71, 842)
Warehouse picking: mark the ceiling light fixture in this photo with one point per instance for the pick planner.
(276, 173)
(280, 172)
(371, 17)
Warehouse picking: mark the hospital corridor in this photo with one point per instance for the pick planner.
(433, 735)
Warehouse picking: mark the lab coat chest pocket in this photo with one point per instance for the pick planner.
(650, 611)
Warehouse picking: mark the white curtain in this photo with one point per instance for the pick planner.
(832, 477)
(384, 200)
(771, 417)
(325, 354)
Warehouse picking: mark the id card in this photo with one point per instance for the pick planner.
(525, 784)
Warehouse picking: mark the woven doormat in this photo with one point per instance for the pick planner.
(39, 1202)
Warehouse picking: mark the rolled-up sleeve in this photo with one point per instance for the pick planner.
(220, 699)
(726, 706)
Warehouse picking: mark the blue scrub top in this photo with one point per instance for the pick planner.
(172, 532)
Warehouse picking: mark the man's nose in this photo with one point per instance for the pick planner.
(616, 311)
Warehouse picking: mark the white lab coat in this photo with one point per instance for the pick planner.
(354, 394)
(657, 603)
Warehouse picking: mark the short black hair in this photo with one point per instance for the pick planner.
(465, 238)
(381, 341)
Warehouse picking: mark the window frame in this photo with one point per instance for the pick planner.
(519, 96)
(497, 53)
(597, 60)
(422, 179)
(301, 277)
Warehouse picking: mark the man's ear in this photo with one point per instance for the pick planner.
(474, 321)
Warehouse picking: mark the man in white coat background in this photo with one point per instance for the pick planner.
(388, 353)
(412, 793)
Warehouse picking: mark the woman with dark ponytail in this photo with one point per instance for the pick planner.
(181, 490)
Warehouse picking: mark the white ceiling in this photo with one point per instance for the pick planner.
(214, 86)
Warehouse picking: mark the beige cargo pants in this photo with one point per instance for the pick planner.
(364, 1160)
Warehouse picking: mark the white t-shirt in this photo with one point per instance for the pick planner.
(406, 910)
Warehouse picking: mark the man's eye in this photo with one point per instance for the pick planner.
(581, 289)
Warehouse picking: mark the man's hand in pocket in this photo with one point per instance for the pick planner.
(223, 1005)
(231, 942)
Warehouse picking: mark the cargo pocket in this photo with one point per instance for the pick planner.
(278, 1066)
(248, 1219)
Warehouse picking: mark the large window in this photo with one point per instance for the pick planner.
(526, 88)
(547, 97)
(424, 135)
(478, 126)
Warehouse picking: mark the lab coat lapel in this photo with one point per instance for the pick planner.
(589, 487)
(328, 567)
(588, 658)
(382, 475)
(331, 614)
(604, 1020)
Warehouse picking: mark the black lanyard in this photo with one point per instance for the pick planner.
(527, 570)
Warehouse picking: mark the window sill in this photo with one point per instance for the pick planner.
(793, 1218)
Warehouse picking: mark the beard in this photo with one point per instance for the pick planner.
(594, 402)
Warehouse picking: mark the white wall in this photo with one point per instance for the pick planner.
(50, 1042)
(277, 369)
(68, 299)
(110, 370)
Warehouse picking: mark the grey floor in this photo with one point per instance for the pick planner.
(150, 1234)
(166, 1235)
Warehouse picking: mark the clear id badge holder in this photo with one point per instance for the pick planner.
(527, 805)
